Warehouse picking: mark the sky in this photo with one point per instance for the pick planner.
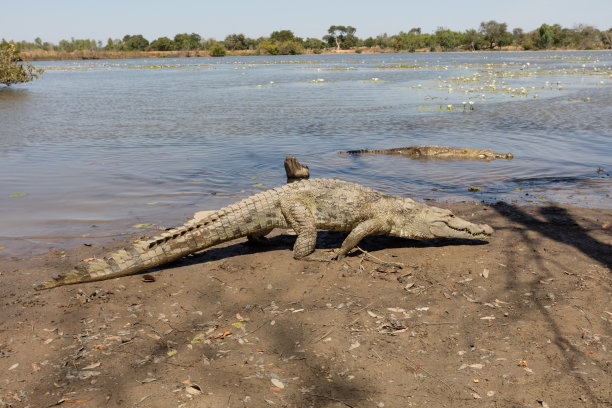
(53, 21)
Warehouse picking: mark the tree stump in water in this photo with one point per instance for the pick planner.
(295, 170)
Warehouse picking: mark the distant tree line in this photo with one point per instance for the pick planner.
(489, 35)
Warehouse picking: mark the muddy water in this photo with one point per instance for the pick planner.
(95, 148)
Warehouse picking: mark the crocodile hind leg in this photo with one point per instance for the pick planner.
(300, 218)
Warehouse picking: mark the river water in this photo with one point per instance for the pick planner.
(97, 148)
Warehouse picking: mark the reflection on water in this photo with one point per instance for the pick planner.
(100, 146)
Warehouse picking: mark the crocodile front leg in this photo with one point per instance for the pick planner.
(373, 226)
(300, 218)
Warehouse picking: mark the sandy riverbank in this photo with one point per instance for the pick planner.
(523, 320)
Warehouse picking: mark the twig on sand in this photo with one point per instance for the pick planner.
(322, 337)
(429, 373)
(259, 327)
(374, 259)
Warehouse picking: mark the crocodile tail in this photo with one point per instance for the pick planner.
(167, 247)
(74, 276)
(123, 262)
(235, 221)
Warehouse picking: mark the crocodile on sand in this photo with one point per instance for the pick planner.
(305, 206)
(439, 152)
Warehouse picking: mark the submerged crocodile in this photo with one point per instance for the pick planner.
(305, 206)
(440, 152)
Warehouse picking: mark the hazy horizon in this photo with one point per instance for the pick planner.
(55, 21)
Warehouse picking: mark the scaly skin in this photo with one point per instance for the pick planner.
(440, 152)
(305, 206)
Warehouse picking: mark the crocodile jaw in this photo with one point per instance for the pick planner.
(455, 227)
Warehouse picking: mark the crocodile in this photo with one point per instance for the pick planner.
(439, 152)
(304, 206)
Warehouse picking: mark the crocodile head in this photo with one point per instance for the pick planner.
(432, 222)
(488, 156)
(444, 224)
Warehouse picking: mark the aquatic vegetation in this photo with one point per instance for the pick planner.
(411, 67)
(510, 80)
(317, 81)
(260, 86)
(339, 69)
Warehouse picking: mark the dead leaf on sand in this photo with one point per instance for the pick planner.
(92, 366)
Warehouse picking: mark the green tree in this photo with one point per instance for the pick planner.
(314, 44)
(342, 37)
(207, 43)
(382, 40)
(162, 44)
(369, 42)
(583, 37)
(187, 41)
(281, 43)
(283, 36)
(238, 42)
(473, 40)
(113, 45)
(606, 38)
(545, 37)
(135, 42)
(290, 47)
(12, 69)
(266, 46)
(446, 38)
(397, 42)
(560, 35)
(495, 33)
(518, 36)
(528, 43)
(64, 45)
(217, 50)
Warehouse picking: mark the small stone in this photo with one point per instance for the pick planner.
(193, 390)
